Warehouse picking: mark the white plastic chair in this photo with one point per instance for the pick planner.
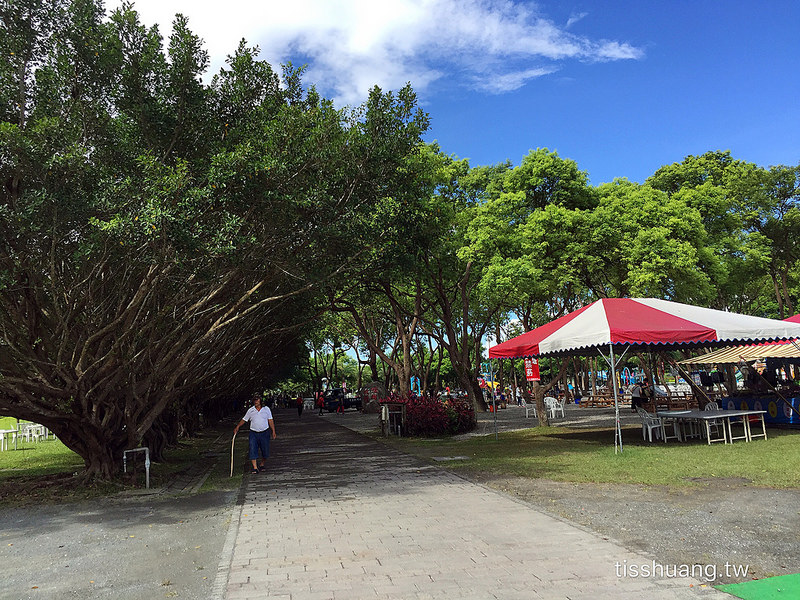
(529, 408)
(554, 407)
(650, 423)
(561, 406)
(32, 432)
(715, 423)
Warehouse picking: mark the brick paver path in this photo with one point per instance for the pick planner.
(339, 516)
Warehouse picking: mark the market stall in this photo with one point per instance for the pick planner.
(615, 325)
(768, 378)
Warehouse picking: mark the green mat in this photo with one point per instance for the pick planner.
(771, 588)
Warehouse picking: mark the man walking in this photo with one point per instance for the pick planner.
(261, 424)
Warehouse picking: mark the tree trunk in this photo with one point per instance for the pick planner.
(540, 391)
(538, 399)
(778, 295)
(440, 351)
(786, 295)
(100, 449)
(373, 364)
(475, 394)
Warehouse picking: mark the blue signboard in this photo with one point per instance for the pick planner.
(778, 411)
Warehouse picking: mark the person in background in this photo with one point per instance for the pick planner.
(637, 398)
(647, 392)
(299, 404)
(261, 424)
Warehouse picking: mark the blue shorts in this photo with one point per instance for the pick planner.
(259, 440)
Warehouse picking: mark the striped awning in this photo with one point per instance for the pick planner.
(733, 354)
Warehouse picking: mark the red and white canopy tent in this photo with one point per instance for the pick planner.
(643, 323)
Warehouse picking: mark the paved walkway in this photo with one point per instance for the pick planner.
(338, 515)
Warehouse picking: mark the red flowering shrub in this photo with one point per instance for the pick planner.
(427, 416)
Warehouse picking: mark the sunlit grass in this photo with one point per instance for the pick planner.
(8, 423)
(38, 458)
(43, 471)
(587, 455)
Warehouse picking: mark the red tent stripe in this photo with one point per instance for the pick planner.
(527, 344)
(635, 323)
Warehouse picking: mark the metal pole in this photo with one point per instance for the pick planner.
(494, 401)
(618, 429)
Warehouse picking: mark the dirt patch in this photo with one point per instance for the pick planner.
(718, 521)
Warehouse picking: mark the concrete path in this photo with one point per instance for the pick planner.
(338, 515)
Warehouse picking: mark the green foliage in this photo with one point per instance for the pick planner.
(648, 244)
(544, 179)
(162, 239)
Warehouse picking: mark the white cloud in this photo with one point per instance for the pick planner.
(501, 83)
(350, 45)
(574, 18)
(607, 50)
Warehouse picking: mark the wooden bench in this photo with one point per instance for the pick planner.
(597, 401)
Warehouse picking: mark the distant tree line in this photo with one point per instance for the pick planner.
(501, 249)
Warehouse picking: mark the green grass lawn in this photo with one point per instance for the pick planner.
(43, 471)
(587, 455)
(8, 423)
(35, 458)
(38, 458)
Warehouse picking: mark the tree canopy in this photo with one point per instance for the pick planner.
(163, 239)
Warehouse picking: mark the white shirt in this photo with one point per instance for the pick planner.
(259, 419)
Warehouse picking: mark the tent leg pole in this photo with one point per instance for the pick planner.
(617, 428)
(494, 401)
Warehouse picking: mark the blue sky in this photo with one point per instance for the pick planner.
(621, 87)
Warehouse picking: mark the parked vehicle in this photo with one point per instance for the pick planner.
(334, 396)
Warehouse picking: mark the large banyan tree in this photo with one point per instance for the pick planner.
(162, 238)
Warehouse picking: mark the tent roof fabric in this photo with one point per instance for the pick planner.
(644, 322)
(750, 352)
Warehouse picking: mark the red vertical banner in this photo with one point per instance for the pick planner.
(531, 369)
